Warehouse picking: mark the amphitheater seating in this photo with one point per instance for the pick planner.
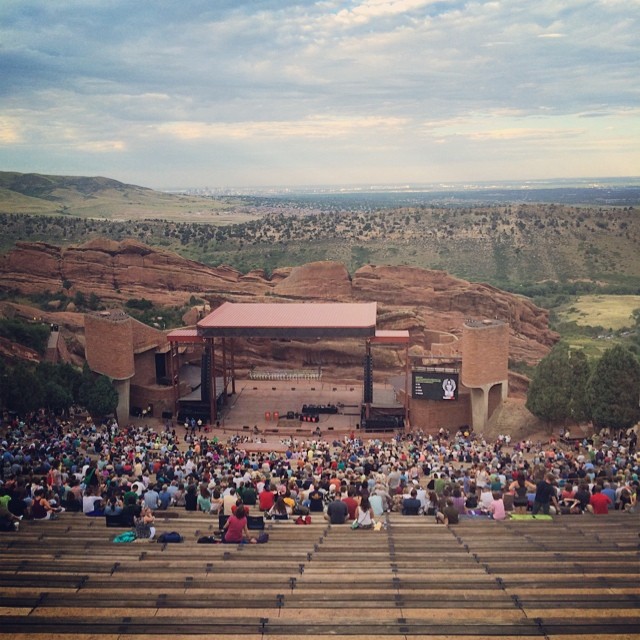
(572, 576)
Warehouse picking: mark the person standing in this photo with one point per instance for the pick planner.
(545, 496)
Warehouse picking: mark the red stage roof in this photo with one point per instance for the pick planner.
(184, 335)
(291, 320)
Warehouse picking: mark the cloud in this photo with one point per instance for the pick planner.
(318, 127)
(315, 87)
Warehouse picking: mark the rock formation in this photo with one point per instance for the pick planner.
(420, 300)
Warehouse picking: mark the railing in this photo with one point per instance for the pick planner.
(296, 374)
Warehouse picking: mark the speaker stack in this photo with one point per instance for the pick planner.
(368, 379)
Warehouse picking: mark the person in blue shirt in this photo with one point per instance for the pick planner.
(164, 497)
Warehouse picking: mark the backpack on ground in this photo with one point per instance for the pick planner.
(171, 536)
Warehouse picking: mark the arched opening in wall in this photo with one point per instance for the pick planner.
(495, 398)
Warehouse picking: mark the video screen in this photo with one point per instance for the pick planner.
(434, 385)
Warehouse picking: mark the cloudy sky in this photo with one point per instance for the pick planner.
(193, 93)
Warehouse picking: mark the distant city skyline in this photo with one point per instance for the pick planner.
(238, 93)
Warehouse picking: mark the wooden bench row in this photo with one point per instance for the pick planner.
(66, 578)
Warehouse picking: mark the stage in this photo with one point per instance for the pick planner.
(265, 405)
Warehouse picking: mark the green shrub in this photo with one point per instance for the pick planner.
(32, 335)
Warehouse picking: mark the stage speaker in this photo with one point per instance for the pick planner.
(205, 376)
(368, 379)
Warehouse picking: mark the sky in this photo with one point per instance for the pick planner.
(219, 93)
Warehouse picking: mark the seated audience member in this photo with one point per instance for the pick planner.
(41, 508)
(377, 504)
(626, 500)
(249, 494)
(217, 502)
(496, 508)
(229, 501)
(448, 515)
(471, 501)
(458, 499)
(8, 520)
(486, 498)
(72, 499)
(316, 500)
(432, 503)
(144, 524)
(411, 506)
(350, 500)
(165, 498)
(280, 509)
(131, 509)
(337, 512)
(151, 499)
(114, 506)
(364, 514)
(204, 499)
(92, 505)
(177, 496)
(582, 496)
(599, 502)
(191, 498)
(266, 498)
(236, 529)
(386, 501)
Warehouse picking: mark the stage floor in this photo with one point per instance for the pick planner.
(255, 398)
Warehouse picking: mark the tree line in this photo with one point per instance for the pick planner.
(26, 388)
(567, 387)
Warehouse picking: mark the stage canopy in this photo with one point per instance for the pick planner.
(290, 320)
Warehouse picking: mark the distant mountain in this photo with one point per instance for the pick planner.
(56, 188)
(97, 197)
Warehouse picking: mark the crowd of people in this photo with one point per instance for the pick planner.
(50, 465)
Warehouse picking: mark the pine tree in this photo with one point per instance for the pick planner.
(614, 389)
(550, 391)
(97, 394)
(581, 372)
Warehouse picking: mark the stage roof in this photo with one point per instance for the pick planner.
(189, 336)
(291, 320)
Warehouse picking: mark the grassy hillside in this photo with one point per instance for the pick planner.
(509, 247)
(514, 246)
(103, 198)
(611, 313)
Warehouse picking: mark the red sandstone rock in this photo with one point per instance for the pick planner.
(420, 300)
(328, 281)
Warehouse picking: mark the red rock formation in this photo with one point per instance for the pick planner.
(117, 271)
(328, 281)
(420, 300)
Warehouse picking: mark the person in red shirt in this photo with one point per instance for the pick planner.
(351, 502)
(235, 528)
(599, 502)
(266, 498)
